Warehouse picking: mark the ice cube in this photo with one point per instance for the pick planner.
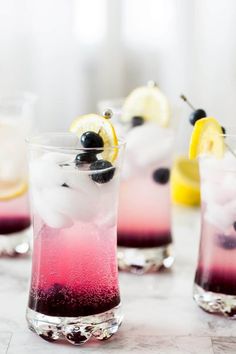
(229, 161)
(219, 215)
(148, 143)
(81, 181)
(228, 186)
(212, 192)
(74, 204)
(211, 169)
(49, 216)
(45, 174)
(58, 157)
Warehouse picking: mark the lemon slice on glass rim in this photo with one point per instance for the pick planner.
(207, 138)
(149, 103)
(102, 126)
(12, 189)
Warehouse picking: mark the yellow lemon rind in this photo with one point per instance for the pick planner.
(101, 125)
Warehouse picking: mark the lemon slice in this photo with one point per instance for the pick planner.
(12, 189)
(185, 182)
(207, 138)
(148, 102)
(102, 126)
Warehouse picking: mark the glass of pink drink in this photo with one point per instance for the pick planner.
(15, 123)
(144, 222)
(215, 279)
(74, 293)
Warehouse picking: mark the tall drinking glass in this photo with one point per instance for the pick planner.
(144, 222)
(144, 217)
(74, 291)
(15, 123)
(215, 279)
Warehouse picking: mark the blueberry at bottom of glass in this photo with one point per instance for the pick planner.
(59, 300)
(144, 240)
(216, 280)
(14, 224)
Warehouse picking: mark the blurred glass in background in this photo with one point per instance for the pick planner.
(73, 53)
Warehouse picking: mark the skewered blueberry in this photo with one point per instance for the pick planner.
(85, 157)
(196, 115)
(91, 140)
(137, 120)
(223, 130)
(161, 175)
(226, 242)
(104, 176)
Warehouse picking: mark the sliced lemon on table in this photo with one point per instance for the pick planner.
(207, 138)
(185, 182)
(12, 189)
(148, 102)
(102, 126)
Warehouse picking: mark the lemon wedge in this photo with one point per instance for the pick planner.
(185, 182)
(148, 102)
(207, 138)
(12, 189)
(102, 126)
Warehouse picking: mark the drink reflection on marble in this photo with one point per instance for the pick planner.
(74, 291)
(215, 280)
(15, 123)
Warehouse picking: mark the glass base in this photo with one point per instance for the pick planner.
(76, 330)
(15, 244)
(143, 260)
(215, 302)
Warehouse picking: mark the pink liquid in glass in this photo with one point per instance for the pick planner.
(14, 215)
(74, 269)
(144, 212)
(216, 271)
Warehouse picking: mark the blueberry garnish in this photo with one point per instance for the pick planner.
(196, 115)
(91, 140)
(85, 158)
(137, 120)
(103, 176)
(226, 242)
(223, 130)
(65, 185)
(234, 225)
(161, 175)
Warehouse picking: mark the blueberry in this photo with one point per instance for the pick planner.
(161, 175)
(91, 140)
(196, 115)
(234, 225)
(226, 242)
(137, 120)
(85, 157)
(65, 185)
(103, 176)
(223, 130)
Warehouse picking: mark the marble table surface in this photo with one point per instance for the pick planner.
(160, 315)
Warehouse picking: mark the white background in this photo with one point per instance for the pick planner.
(72, 53)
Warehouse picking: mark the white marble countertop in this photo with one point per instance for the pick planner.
(160, 315)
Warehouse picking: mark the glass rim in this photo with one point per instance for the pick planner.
(30, 141)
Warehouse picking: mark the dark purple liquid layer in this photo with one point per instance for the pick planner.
(145, 240)
(62, 301)
(216, 281)
(9, 225)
